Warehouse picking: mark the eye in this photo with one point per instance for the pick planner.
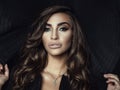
(63, 28)
(47, 29)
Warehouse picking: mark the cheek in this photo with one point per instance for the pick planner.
(44, 40)
(67, 40)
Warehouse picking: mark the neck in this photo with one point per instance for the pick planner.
(56, 64)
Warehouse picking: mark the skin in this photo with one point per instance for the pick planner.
(112, 81)
(57, 36)
(3, 76)
(56, 40)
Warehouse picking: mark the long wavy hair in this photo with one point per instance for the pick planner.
(34, 60)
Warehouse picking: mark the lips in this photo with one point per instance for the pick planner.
(54, 45)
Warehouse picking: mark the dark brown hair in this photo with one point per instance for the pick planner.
(34, 58)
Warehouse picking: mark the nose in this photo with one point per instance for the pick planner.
(54, 35)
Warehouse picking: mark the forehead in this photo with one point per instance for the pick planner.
(59, 17)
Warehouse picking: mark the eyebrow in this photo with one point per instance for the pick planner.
(59, 24)
(64, 23)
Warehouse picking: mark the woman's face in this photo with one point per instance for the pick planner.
(57, 35)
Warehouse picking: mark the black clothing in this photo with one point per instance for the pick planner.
(35, 85)
(100, 20)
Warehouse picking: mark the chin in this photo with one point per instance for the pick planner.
(56, 53)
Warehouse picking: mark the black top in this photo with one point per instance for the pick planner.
(35, 85)
(64, 85)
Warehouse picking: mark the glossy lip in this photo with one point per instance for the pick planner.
(54, 45)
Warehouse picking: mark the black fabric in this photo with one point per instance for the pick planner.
(100, 20)
(35, 85)
(15, 19)
(65, 84)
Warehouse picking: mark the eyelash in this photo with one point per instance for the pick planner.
(64, 28)
(46, 29)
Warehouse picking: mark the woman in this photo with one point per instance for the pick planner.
(54, 56)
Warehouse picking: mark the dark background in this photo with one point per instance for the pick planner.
(100, 20)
